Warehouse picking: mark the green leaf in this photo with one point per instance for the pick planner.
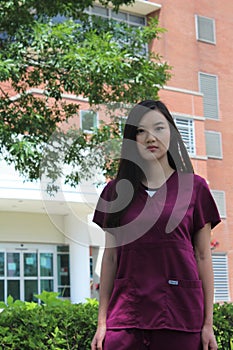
(103, 61)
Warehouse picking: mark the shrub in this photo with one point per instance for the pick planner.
(223, 325)
(56, 324)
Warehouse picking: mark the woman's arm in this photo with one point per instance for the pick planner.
(204, 262)
(108, 272)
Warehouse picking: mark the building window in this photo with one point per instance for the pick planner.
(131, 20)
(219, 197)
(121, 16)
(26, 271)
(99, 11)
(213, 144)
(221, 287)
(88, 120)
(208, 86)
(121, 121)
(31, 269)
(205, 29)
(186, 129)
(63, 271)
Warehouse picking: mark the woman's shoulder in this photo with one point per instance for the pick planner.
(192, 180)
(108, 188)
(200, 181)
(110, 183)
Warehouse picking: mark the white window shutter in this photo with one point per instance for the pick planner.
(205, 29)
(213, 144)
(219, 197)
(221, 285)
(209, 88)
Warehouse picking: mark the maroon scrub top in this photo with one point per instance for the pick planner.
(157, 284)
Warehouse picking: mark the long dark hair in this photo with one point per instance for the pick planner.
(131, 164)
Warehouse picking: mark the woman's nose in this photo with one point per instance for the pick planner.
(151, 137)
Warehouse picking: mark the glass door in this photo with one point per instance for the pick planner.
(30, 275)
(22, 275)
(26, 272)
(2, 276)
(46, 272)
(13, 274)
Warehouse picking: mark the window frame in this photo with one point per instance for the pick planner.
(200, 74)
(129, 15)
(221, 206)
(197, 25)
(122, 121)
(88, 131)
(216, 133)
(191, 136)
(6, 279)
(63, 250)
(219, 286)
(110, 15)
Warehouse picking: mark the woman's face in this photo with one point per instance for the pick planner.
(153, 136)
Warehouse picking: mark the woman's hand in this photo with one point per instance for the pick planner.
(107, 277)
(208, 338)
(97, 342)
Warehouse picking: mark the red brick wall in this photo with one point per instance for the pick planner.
(180, 49)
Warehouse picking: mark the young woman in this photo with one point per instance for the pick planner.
(156, 287)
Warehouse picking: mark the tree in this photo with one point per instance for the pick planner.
(101, 60)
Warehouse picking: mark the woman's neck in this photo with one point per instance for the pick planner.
(156, 175)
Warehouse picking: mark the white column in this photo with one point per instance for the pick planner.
(77, 235)
(79, 272)
(97, 254)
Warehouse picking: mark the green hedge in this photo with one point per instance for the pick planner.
(56, 324)
(59, 325)
(223, 325)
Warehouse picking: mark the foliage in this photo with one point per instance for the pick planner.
(57, 324)
(103, 61)
(223, 325)
(82, 154)
(17, 13)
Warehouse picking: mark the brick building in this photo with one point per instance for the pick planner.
(45, 243)
(198, 48)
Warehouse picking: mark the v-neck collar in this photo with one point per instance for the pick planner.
(156, 190)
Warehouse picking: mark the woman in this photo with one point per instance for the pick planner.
(156, 288)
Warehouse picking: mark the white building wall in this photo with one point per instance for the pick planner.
(30, 228)
(77, 235)
(29, 216)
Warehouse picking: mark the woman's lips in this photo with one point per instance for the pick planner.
(152, 148)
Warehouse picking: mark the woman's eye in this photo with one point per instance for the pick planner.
(140, 131)
(159, 128)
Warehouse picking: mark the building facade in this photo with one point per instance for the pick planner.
(198, 48)
(49, 243)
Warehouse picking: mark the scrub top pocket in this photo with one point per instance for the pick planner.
(121, 310)
(185, 305)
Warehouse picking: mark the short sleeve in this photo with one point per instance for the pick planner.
(205, 209)
(103, 204)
